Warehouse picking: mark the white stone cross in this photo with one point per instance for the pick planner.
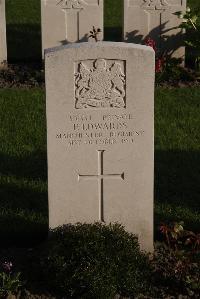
(100, 176)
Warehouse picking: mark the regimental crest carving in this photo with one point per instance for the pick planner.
(71, 4)
(100, 85)
(155, 4)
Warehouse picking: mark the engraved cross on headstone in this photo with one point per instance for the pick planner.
(160, 13)
(154, 10)
(101, 176)
(72, 9)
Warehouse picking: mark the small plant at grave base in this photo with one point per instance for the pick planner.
(21, 75)
(191, 23)
(94, 261)
(168, 69)
(94, 33)
(177, 238)
(176, 263)
(10, 282)
(172, 233)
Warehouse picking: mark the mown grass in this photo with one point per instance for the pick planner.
(23, 178)
(177, 155)
(23, 166)
(23, 30)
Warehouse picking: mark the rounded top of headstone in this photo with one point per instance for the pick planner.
(93, 45)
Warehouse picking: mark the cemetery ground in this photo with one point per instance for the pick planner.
(24, 168)
(23, 192)
(23, 162)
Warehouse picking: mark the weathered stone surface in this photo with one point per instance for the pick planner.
(100, 115)
(3, 46)
(156, 19)
(66, 21)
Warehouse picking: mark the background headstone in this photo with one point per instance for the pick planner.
(100, 118)
(70, 21)
(3, 46)
(156, 19)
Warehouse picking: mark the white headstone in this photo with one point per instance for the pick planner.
(3, 46)
(100, 116)
(66, 21)
(156, 19)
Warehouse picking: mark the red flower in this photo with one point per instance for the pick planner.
(159, 61)
(159, 65)
(151, 43)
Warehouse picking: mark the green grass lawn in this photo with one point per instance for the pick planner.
(23, 187)
(24, 26)
(23, 30)
(23, 167)
(177, 155)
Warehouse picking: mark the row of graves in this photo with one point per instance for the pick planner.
(68, 21)
(100, 113)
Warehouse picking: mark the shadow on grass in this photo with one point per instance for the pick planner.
(113, 34)
(24, 204)
(30, 166)
(24, 43)
(177, 187)
(23, 200)
(23, 215)
(21, 232)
